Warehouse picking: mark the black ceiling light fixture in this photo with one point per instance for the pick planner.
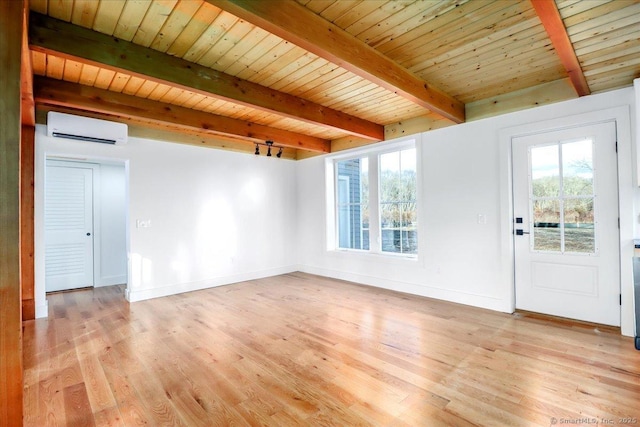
(269, 144)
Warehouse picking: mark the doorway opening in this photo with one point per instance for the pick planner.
(85, 223)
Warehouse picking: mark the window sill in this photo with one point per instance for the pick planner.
(386, 258)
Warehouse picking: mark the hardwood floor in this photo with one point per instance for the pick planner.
(305, 350)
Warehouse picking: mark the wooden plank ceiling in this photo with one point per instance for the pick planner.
(321, 75)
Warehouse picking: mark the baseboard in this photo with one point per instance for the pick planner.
(466, 298)
(111, 280)
(42, 310)
(134, 295)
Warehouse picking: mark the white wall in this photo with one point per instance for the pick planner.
(111, 206)
(465, 173)
(219, 217)
(216, 216)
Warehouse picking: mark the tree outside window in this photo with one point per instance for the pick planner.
(398, 208)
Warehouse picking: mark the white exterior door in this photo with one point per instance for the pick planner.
(566, 232)
(68, 227)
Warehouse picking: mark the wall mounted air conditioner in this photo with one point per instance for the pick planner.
(85, 128)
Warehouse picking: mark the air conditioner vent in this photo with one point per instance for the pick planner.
(61, 125)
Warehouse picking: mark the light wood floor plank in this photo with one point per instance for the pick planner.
(305, 350)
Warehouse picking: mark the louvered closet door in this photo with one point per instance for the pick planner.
(68, 228)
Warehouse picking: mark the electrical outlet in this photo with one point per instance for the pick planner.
(143, 223)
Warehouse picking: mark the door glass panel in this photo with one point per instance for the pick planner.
(579, 232)
(545, 171)
(577, 168)
(546, 225)
(562, 196)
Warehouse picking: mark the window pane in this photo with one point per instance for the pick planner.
(364, 180)
(546, 225)
(398, 211)
(390, 215)
(579, 233)
(408, 170)
(545, 171)
(577, 168)
(344, 226)
(409, 233)
(390, 218)
(352, 193)
(390, 182)
(364, 205)
(399, 227)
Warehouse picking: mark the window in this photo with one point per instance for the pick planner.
(375, 201)
(398, 210)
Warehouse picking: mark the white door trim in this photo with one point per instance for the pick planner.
(619, 115)
(41, 157)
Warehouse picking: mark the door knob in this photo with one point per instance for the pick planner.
(520, 232)
(88, 234)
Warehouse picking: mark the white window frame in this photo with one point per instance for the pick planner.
(340, 180)
(337, 179)
(373, 153)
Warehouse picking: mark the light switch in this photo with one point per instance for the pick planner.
(482, 219)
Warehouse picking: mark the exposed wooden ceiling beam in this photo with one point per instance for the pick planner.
(60, 38)
(28, 111)
(299, 25)
(548, 13)
(145, 111)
